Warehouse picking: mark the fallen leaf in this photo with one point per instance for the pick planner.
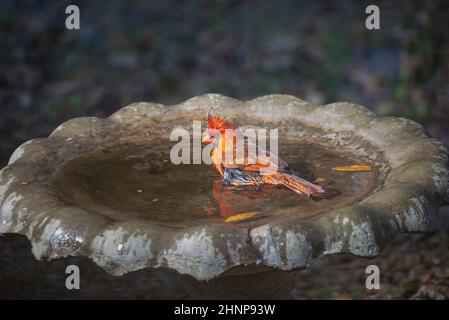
(139, 190)
(155, 200)
(353, 168)
(24, 183)
(241, 216)
(319, 179)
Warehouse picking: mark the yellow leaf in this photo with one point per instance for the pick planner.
(241, 216)
(353, 168)
(319, 179)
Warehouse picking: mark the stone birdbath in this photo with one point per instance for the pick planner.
(105, 189)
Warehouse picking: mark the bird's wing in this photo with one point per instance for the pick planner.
(262, 160)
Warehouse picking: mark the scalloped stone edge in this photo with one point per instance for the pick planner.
(408, 201)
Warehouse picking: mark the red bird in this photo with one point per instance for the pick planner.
(269, 170)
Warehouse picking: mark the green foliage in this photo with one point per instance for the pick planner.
(48, 111)
(329, 77)
(74, 101)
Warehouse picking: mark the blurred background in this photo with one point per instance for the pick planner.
(169, 51)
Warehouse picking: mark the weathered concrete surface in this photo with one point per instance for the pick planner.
(413, 183)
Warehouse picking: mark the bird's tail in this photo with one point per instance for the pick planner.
(301, 186)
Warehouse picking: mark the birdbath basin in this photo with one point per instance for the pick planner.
(107, 190)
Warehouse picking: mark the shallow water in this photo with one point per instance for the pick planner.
(137, 182)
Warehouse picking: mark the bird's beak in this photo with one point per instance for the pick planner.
(207, 139)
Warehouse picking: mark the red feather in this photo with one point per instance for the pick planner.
(218, 123)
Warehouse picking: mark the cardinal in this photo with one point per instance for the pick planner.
(264, 168)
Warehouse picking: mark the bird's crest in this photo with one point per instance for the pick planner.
(218, 123)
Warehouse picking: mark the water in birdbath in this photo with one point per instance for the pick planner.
(139, 182)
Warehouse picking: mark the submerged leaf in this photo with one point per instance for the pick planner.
(241, 216)
(353, 168)
(319, 179)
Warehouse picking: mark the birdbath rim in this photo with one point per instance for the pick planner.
(414, 184)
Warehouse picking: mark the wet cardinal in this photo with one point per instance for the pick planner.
(253, 170)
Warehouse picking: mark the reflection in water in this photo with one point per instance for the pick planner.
(231, 201)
